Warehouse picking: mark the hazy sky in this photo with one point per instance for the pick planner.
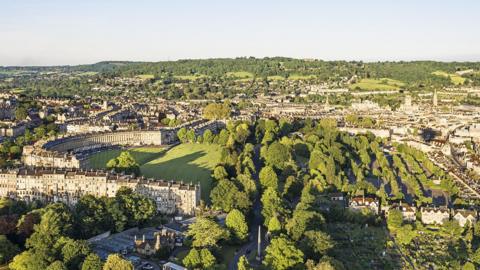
(46, 32)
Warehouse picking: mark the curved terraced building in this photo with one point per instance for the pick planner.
(72, 151)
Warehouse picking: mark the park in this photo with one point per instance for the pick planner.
(188, 162)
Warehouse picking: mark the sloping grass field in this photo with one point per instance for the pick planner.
(190, 77)
(186, 162)
(240, 75)
(301, 77)
(377, 84)
(190, 163)
(142, 155)
(456, 79)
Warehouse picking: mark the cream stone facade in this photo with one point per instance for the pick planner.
(72, 151)
(68, 185)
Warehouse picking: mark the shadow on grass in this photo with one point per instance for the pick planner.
(182, 169)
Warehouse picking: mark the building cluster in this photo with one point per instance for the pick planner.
(428, 215)
(68, 185)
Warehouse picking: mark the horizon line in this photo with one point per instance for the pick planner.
(445, 60)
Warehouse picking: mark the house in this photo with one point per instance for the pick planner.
(434, 215)
(464, 216)
(148, 247)
(362, 202)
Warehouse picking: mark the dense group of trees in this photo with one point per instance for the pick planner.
(51, 237)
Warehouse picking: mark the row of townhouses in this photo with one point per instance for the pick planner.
(68, 185)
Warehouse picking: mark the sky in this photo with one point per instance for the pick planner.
(47, 32)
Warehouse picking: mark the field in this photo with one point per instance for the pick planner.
(88, 73)
(146, 76)
(240, 75)
(377, 84)
(142, 155)
(456, 79)
(186, 162)
(189, 77)
(301, 77)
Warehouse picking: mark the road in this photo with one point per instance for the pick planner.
(257, 220)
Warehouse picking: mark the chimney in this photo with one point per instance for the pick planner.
(143, 238)
(135, 238)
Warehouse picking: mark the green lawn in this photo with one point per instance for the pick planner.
(142, 155)
(189, 77)
(88, 73)
(240, 75)
(377, 84)
(301, 77)
(456, 79)
(187, 162)
(146, 76)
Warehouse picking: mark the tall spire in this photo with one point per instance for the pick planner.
(259, 244)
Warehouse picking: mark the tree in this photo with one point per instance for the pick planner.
(316, 243)
(125, 162)
(92, 262)
(243, 264)
(28, 260)
(237, 225)
(302, 221)
(394, 219)
(115, 210)
(215, 111)
(226, 196)
(191, 135)
(274, 225)
(452, 228)
(7, 250)
(21, 113)
(92, 216)
(208, 260)
(208, 136)
(136, 207)
(206, 232)
(326, 263)
(272, 205)
(193, 259)
(282, 254)
(199, 259)
(57, 265)
(74, 252)
(220, 173)
(268, 178)
(115, 262)
(468, 266)
(182, 135)
(26, 223)
(223, 137)
(55, 222)
(277, 155)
